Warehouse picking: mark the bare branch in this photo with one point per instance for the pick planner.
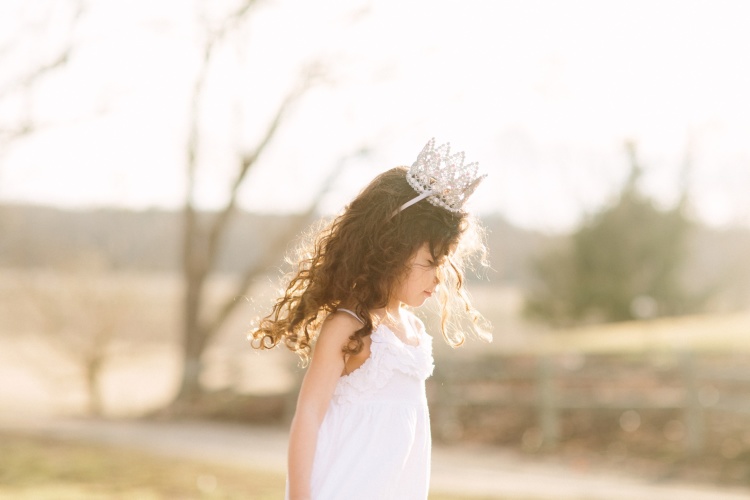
(235, 18)
(25, 125)
(269, 258)
(201, 240)
(247, 161)
(9, 135)
(29, 79)
(196, 265)
(306, 81)
(58, 61)
(191, 226)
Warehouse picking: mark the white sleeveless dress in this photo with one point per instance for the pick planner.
(374, 442)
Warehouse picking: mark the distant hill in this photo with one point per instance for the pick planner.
(38, 236)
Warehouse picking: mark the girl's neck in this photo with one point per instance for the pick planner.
(389, 314)
(397, 321)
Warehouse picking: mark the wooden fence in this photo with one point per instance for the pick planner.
(691, 384)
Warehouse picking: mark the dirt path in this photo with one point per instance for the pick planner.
(462, 470)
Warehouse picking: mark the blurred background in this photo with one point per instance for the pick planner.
(158, 159)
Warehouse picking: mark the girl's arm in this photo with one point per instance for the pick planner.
(325, 368)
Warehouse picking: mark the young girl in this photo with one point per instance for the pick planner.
(361, 429)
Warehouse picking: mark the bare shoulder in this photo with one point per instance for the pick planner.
(336, 330)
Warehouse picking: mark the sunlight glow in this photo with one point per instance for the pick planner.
(542, 93)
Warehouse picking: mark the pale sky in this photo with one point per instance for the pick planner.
(542, 93)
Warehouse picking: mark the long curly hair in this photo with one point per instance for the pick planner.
(356, 259)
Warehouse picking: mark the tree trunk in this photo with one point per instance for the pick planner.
(93, 371)
(202, 234)
(194, 336)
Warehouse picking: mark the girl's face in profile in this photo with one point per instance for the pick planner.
(421, 279)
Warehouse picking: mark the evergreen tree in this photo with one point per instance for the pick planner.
(623, 263)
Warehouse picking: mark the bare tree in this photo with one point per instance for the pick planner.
(80, 312)
(86, 343)
(203, 233)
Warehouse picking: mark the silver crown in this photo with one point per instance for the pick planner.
(442, 178)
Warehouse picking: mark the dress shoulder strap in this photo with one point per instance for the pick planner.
(350, 312)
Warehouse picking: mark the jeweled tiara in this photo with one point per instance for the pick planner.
(442, 178)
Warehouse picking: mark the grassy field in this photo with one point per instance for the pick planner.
(34, 468)
(48, 320)
(43, 469)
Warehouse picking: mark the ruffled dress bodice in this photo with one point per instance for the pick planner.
(374, 442)
(381, 375)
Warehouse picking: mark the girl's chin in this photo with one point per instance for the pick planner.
(418, 302)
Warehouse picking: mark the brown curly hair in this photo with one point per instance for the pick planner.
(355, 260)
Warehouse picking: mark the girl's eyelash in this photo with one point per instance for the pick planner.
(428, 264)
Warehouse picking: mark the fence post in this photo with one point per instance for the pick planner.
(547, 411)
(694, 417)
(447, 422)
